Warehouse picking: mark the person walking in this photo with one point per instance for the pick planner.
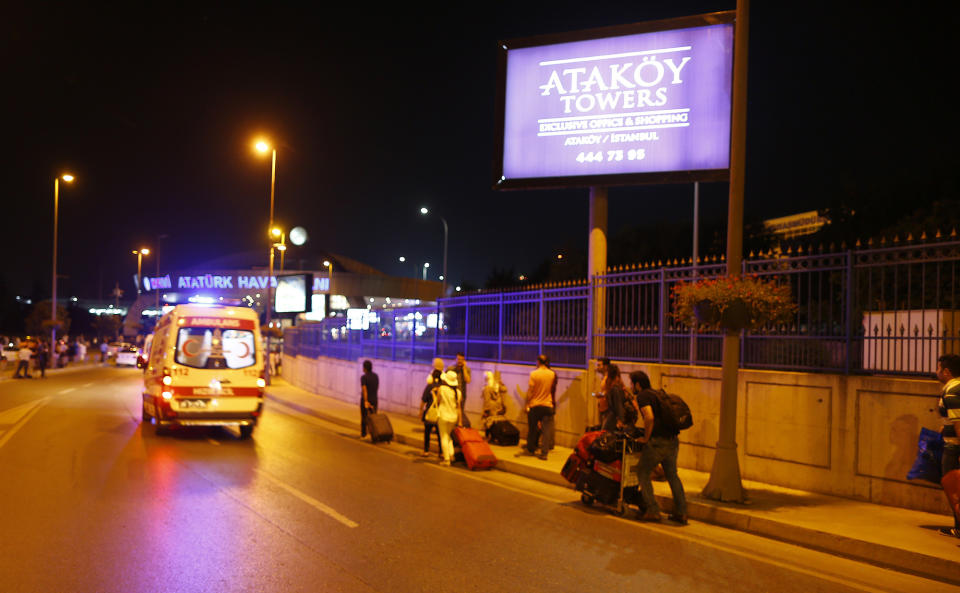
(449, 413)
(661, 445)
(427, 400)
(948, 373)
(23, 362)
(40, 361)
(369, 385)
(540, 406)
(103, 350)
(463, 380)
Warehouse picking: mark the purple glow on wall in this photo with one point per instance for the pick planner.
(646, 103)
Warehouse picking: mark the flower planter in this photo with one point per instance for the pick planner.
(736, 316)
(706, 312)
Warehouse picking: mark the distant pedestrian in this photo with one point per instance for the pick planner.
(81, 350)
(948, 373)
(369, 385)
(462, 370)
(103, 351)
(540, 406)
(450, 414)
(661, 445)
(427, 399)
(72, 350)
(23, 362)
(41, 357)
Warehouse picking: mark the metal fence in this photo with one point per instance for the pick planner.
(874, 310)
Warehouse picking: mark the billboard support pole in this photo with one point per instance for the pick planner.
(724, 483)
(596, 295)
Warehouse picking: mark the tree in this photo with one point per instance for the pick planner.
(38, 322)
(107, 326)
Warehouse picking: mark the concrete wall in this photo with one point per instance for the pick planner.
(848, 436)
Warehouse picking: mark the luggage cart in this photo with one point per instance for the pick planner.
(595, 484)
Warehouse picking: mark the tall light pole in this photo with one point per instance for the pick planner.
(262, 146)
(140, 253)
(329, 266)
(53, 306)
(425, 266)
(156, 290)
(446, 233)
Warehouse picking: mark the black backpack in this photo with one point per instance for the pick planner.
(674, 412)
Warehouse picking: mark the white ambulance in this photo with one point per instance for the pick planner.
(205, 369)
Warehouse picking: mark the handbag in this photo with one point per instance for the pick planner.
(929, 453)
(433, 413)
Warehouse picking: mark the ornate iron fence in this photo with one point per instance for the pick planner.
(874, 310)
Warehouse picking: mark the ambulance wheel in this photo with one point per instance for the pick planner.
(586, 499)
(246, 431)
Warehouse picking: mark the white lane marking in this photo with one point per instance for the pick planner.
(67, 390)
(309, 500)
(85, 385)
(213, 442)
(22, 414)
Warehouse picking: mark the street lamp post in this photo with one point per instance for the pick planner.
(446, 232)
(156, 290)
(140, 253)
(329, 266)
(263, 147)
(53, 306)
(425, 266)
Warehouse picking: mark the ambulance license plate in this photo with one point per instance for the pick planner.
(196, 404)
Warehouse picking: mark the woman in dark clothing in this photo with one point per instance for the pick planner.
(426, 400)
(616, 400)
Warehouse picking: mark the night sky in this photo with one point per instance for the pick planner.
(379, 110)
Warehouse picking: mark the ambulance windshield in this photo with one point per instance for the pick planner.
(215, 348)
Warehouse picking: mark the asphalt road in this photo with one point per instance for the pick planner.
(90, 502)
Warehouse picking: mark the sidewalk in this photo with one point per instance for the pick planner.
(901, 539)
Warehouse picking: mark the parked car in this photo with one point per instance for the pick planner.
(143, 355)
(127, 355)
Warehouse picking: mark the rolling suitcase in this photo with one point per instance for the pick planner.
(463, 434)
(504, 433)
(478, 454)
(379, 428)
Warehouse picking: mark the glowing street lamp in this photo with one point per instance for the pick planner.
(140, 253)
(56, 207)
(425, 266)
(329, 266)
(443, 278)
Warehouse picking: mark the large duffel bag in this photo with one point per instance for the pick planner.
(573, 468)
(379, 427)
(504, 433)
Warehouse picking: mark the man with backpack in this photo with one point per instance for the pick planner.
(661, 445)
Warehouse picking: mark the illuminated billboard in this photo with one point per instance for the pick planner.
(643, 103)
(293, 294)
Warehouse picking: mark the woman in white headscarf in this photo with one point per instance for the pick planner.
(448, 402)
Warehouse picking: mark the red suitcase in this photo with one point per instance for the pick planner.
(951, 487)
(572, 469)
(478, 454)
(462, 434)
